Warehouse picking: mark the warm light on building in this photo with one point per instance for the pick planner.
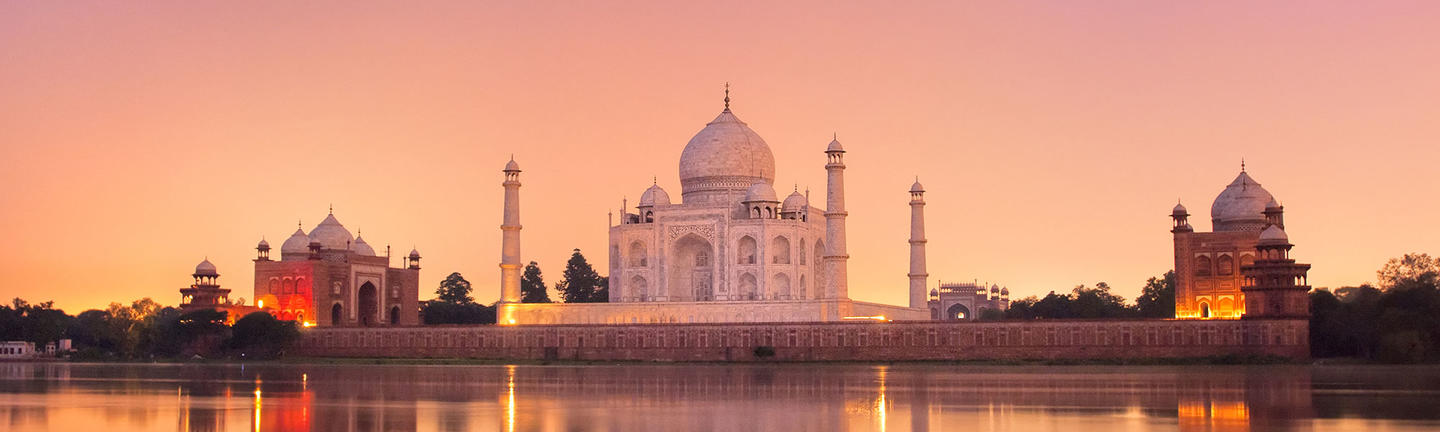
(865, 318)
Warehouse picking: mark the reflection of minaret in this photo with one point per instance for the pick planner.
(510, 243)
(917, 246)
(836, 256)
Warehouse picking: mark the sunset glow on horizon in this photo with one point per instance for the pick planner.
(1052, 140)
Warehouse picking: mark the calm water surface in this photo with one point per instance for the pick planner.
(641, 397)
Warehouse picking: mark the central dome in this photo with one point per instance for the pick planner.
(725, 158)
(1241, 206)
(331, 234)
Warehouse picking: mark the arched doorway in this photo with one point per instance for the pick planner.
(690, 270)
(335, 315)
(781, 290)
(958, 312)
(1204, 310)
(748, 287)
(369, 305)
(394, 315)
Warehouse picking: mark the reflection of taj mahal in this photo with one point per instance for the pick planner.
(730, 251)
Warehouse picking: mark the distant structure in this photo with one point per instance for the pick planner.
(1209, 266)
(730, 251)
(328, 277)
(206, 293)
(966, 301)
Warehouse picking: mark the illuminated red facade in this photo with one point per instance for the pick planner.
(328, 278)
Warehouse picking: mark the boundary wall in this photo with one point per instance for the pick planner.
(824, 341)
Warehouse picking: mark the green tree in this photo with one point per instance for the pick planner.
(580, 283)
(260, 335)
(532, 285)
(1413, 268)
(1157, 298)
(455, 290)
(602, 294)
(437, 312)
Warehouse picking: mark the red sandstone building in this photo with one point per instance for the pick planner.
(1215, 271)
(330, 278)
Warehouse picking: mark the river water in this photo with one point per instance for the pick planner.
(714, 397)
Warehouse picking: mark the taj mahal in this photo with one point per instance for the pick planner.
(730, 250)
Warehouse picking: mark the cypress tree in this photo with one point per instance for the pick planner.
(532, 285)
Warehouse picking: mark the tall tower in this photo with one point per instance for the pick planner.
(917, 247)
(836, 257)
(510, 243)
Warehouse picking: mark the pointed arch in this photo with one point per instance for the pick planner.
(638, 254)
(748, 286)
(639, 288)
(801, 294)
(1225, 265)
(746, 250)
(1202, 265)
(688, 280)
(780, 250)
(781, 288)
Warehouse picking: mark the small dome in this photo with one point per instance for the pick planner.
(205, 268)
(795, 202)
(994, 288)
(1241, 206)
(1273, 205)
(1004, 291)
(761, 191)
(331, 234)
(414, 253)
(835, 146)
(263, 244)
(1179, 210)
(654, 196)
(917, 187)
(1274, 235)
(512, 166)
(362, 248)
(297, 243)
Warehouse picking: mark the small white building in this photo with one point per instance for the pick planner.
(17, 350)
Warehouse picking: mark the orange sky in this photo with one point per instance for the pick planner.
(141, 137)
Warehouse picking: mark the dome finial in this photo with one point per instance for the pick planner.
(1242, 164)
(332, 208)
(727, 96)
(654, 180)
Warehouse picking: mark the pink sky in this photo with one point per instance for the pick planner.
(141, 137)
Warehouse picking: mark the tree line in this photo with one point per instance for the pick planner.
(1157, 300)
(579, 283)
(145, 330)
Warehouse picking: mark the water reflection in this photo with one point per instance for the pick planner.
(57, 396)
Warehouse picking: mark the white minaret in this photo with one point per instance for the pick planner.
(510, 243)
(836, 256)
(917, 247)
